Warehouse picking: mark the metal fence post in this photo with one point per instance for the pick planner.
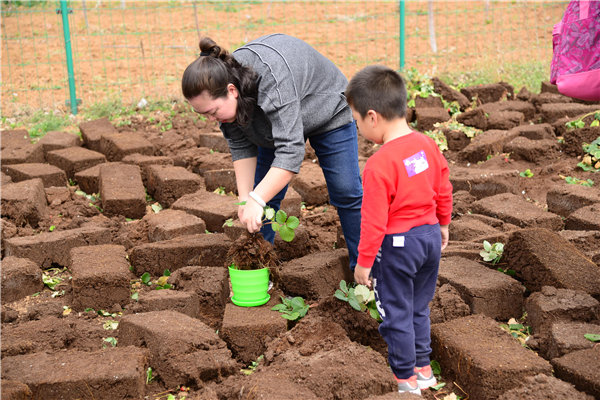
(402, 35)
(65, 20)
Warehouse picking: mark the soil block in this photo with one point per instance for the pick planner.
(581, 369)
(24, 202)
(167, 183)
(49, 174)
(74, 159)
(214, 209)
(21, 277)
(122, 191)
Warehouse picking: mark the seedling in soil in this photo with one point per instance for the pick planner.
(280, 222)
(576, 181)
(518, 331)
(52, 228)
(436, 370)
(360, 298)
(145, 278)
(161, 283)
(252, 367)
(292, 309)
(591, 160)
(66, 310)
(149, 377)
(156, 207)
(491, 252)
(111, 340)
(220, 190)
(526, 174)
(50, 281)
(103, 313)
(110, 325)
(579, 123)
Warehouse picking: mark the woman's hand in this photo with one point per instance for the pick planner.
(361, 275)
(251, 215)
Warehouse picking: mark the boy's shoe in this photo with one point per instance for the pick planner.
(409, 385)
(425, 377)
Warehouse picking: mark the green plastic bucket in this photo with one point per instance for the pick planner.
(249, 287)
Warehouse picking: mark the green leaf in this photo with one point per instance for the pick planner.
(88, 309)
(592, 337)
(286, 233)
(354, 304)
(156, 208)
(146, 278)
(510, 272)
(275, 226)
(281, 217)
(81, 193)
(595, 123)
(167, 286)
(292, 317)
(343, 286)
(52, 228)
(135, 296)
(167, 273)
(111, 340)
(297, 302)
(340, 295)
(374, 313)
(303, 311)
(487, 246)
(293, 222)
(279, 307)
(269, 213)
(438, 386)
(580, 124)
(435, 367)
(362, 293)
(514, 327)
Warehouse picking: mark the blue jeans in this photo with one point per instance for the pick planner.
(337, 151)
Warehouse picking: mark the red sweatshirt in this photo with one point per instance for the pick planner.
(405, 184)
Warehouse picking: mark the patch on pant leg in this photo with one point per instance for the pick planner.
(416, 164)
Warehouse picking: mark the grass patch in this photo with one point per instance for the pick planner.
(530, 74)
(45, 121)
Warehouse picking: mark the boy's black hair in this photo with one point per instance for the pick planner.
(380, 89)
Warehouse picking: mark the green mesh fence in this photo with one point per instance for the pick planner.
(139, 49)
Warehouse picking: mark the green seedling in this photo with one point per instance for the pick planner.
(252, 367)
(360, 298)
(491, 252)
(436, 370)
(220, 190)
(592, 337)
(280, 222)
(145, 278)
(580, 123)
(111, 340)
(575, 181)
(103, 313)
(149, 377)
(292, 309)
(110, 325)
(591, 160)
(156, 207)
(161, 283)
(50, 281)
(52, 228)
(518, 331)
(526, 174)
(66, 310)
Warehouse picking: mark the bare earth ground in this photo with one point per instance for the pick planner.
(317, 354)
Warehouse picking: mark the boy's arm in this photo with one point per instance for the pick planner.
(444, 195)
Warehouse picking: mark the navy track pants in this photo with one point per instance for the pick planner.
(404, 279)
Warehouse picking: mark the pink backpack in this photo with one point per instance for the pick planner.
(575, 66)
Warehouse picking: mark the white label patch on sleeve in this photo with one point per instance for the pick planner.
(398, 241)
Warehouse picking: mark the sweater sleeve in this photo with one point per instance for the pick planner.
(377, 197)
(444, 197)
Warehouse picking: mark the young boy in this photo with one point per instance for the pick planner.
(407, 205)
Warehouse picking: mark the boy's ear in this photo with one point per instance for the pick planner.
(372, 117)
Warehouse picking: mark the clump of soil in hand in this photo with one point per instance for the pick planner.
(252, 251)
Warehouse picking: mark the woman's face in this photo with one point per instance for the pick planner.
(222, 109)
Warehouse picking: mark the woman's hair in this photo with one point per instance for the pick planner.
(213, 71)
(377, 88)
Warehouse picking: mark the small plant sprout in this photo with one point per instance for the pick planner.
(361, 298)
(52, 228)
(518, 331)
(579, 123)
(110, 325)
(491, 252)
(111, 340)
(161, 283)
(591, 160)
(156, 207)
(220, 190)
(66, 310)
(576, 181)
(145, 278)
(149, 376)
(292, 309)
(436, 370)
(526, 174)
(252, 367)
(50, 281)
(280, 222)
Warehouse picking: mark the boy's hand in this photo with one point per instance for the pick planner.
(361, 275)
(445, 236)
